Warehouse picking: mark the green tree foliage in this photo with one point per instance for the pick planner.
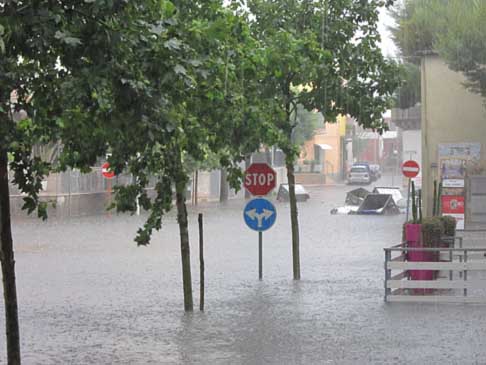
(417, 26)
(306, 125)
(213, 113)
(454, 29)
(155, 83)
(70, 72)
(409, 93)
(322, 55)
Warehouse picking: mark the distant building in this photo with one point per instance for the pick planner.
(324, 153)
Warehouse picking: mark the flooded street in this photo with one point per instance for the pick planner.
(87, 294)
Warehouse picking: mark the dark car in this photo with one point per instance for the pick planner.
(375, 171)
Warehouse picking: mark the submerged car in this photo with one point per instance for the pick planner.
(353, 200)
(300, 193)
(378, 204)
(356, 196)
(361, 201)
(395, 192)
(359, 174)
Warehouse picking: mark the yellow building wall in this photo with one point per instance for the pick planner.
(450, 114)
(329, 135)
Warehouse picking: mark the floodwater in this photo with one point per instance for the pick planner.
(87, 294)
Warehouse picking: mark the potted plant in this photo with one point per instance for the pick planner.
(422, 233)
(413, 227)
(432, 233)
(449, 224)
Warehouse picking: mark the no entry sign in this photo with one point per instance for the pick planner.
(105, 170)
(410, 169)
(260, 179)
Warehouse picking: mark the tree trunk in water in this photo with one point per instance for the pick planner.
(185, 251)
(223, 187)
(294, 221)
(8, 267)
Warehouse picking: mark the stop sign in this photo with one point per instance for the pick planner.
(260, 179)
(105, 170)
(410, 169)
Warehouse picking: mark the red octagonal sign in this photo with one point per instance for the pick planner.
(260, 179)
(410, 169)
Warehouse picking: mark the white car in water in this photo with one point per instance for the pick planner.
(359, 174)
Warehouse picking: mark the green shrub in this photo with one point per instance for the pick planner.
(449, 224)
(432, 231)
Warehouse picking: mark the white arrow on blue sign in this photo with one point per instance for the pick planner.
(259, 214)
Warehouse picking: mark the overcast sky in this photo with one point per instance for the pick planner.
(387, 45)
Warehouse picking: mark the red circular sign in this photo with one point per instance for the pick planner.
(260, 179)
(105, 170)
(410, 169)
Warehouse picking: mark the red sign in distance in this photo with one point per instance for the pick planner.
(105, 170)
(410, 169)
(260, 179)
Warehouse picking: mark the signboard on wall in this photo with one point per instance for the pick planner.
(456, 158)
(456, 162)
(452, 204)
(453, 183)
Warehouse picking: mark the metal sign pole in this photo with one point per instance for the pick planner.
(259, 215)
(408, 200)
(260, 255)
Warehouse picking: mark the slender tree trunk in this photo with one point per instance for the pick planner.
(294, 221)
(8, 267)
(185, 252)
(247, 165)
(289, 162)
(196, 186)
(201, 262)
(223, 187)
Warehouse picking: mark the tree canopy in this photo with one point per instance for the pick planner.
(409, 93)
(152, 83)
(453, 29)
(324, 56)
(157, 83)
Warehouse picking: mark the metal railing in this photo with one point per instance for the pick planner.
(461, 275)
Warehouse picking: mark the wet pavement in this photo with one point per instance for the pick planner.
(87, 294)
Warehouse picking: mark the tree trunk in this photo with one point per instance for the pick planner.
(8, 267)
(196, 186)
(247, 165)
(185, 251)
(223, 187)
(294, 221)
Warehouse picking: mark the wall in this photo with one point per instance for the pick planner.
(450, 114)
(329, 135)
(412, 145)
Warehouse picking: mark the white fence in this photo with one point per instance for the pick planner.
(460, 275)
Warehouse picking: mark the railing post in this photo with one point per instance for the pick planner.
(460, 257)
(465, 272)
(451, 273)
(387, 273)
